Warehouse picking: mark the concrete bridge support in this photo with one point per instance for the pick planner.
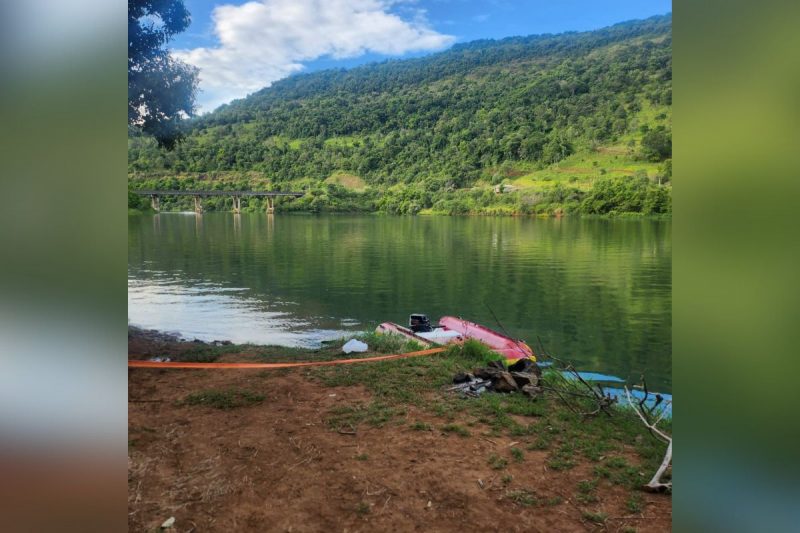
(237, 204)
(155, 202)
(198, 204)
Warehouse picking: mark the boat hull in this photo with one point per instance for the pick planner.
(507, 347)
(390, 328)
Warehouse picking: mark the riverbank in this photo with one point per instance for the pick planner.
(373, 446)
(431, 213)
(595, 195)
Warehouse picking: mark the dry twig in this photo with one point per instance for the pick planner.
(655, 484)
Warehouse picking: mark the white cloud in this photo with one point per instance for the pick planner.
(264, 41)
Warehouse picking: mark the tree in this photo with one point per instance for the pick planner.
(657, 145)
(161, 89)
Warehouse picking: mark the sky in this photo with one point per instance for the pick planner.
(241, 47)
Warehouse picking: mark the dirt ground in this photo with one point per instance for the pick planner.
(279, 466)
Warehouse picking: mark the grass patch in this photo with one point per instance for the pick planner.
(602, 472)
(405, 380)
(421, 426)
(517, 454)
(375, 414)
(497, 462)
(522, 497)
(598, 518)
(635, 504)
(542, 442)
(362, 509)
(461, 431)
(348, 181)
(563, 458)
(586, 491)
(224, 399)
(617, 462)
(362, 457)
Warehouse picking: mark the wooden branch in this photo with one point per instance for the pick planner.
(655, 484)
(654, 430)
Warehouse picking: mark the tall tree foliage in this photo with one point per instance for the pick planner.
(161, 89)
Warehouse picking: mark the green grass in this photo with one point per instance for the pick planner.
(518, 455)
(348, 181)
(224, 399)
(522, 497)
(405, 380)
(461, 431)
(586, 491)
(420, 426)
(375, 414)
(363, 509)
(635, 504)
(598, 517)
(344, 141)
(497, 462)
(617, 462)
(362, 457)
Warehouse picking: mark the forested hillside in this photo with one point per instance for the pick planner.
(576, 122)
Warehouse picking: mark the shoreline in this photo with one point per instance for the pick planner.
(609, 216)
(370, 446)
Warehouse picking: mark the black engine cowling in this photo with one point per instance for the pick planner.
(419, 323)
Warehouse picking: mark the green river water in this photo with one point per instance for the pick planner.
(597, 292)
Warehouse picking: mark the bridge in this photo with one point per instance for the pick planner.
(199, 195)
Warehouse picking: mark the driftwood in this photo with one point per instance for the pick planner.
(565, 388)
(650, 420)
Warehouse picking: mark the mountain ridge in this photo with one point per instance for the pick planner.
(547, 116)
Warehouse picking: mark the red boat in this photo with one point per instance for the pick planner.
(451, 329)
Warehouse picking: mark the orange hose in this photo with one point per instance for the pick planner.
(156, 364)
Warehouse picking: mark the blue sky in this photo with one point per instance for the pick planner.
(241, 47)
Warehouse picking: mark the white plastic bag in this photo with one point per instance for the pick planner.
(354, 345)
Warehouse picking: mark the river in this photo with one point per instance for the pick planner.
(597, 292)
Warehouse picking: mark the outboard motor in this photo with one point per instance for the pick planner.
(419, 323)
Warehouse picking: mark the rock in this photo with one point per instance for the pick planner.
(482, 373)
(168, 523)
(531, 391)
(525, 378)
(461, 377)
(503, 382)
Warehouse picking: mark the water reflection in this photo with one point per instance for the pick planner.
(596, 291)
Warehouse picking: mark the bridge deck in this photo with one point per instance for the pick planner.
(142, 192)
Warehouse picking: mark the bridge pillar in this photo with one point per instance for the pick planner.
(155, 202)
(198, 204)
(237, 204)
(270, 205)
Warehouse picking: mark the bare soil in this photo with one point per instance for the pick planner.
(280, 466)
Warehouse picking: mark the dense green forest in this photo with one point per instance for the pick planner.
(568, 123)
